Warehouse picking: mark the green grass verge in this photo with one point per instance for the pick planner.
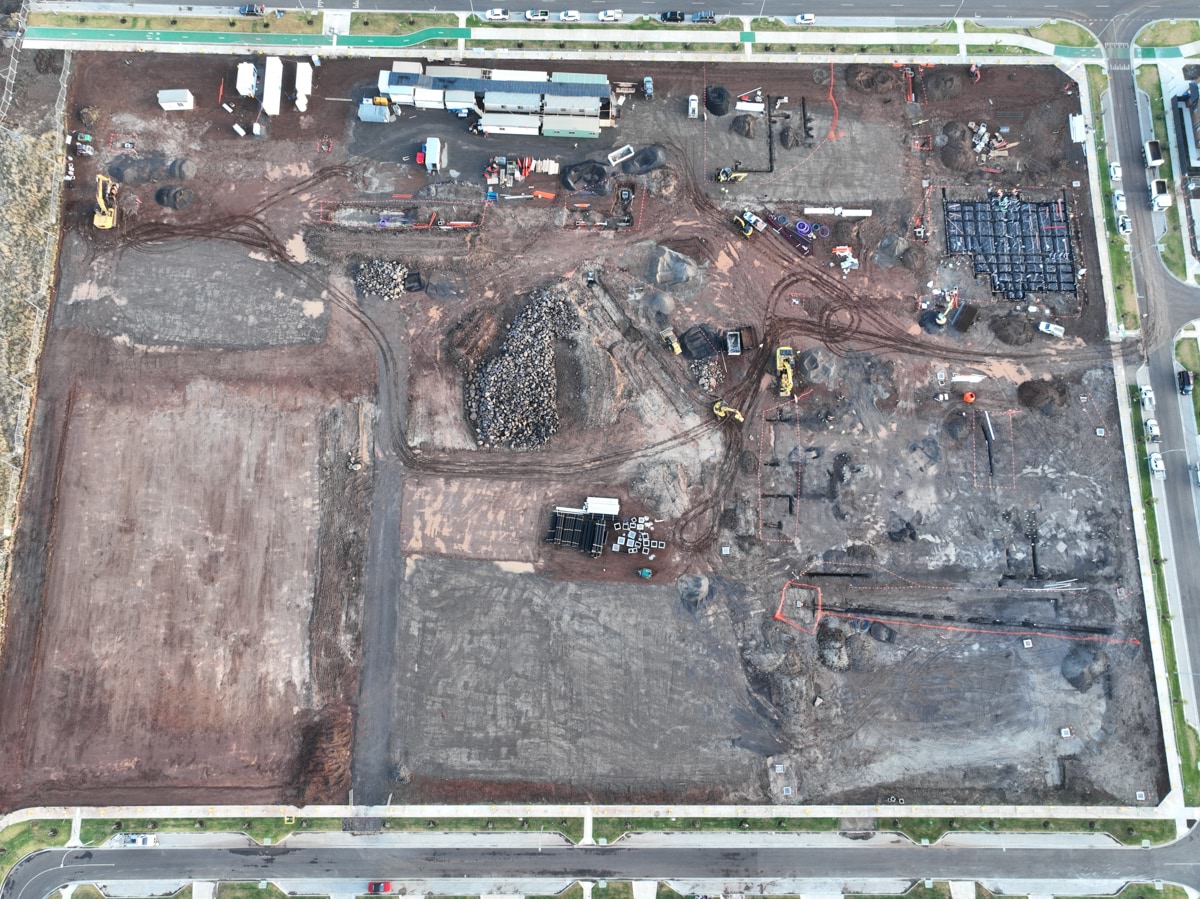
(291, 23)
(1169, 34)
(598, 46)
(638, 24)
(1129, 831)
(1065, 34)
(88, 891)
(1186, 738)
(771, 23)
(571, 828)
(574, 891)
(1172, 240)
(399, 23)
(1188, 355)
(906, 50)
(613, 828)
(1140, 890)
(227, 890)
(1118, 249)
(19, 840)
(939, 890)
(95, 831)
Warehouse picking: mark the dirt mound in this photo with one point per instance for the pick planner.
(1083, 666)
(1045, 396)
(821, 75)
(584, 175)
(1014, 330)
(718, 100)
(958, 156)
(943, 85)
(872, 79)
(789, 137)
(182, 169)
(172, 197)
(831, 646)
(668, 267)
(745, 125)
(693, 589)
(323, 766)
(815, 365)
(955, 130)
(644, 161)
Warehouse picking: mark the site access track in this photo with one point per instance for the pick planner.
(41, 874)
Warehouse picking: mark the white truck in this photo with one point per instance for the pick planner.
(1152, 154)
(1160, 195)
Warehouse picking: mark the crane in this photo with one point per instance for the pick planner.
(105, 215)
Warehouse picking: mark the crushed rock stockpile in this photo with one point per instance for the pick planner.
(512, 399)
(389, 280)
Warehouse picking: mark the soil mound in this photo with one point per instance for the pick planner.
(668, 267)
(1046, 396)
(958, 156)
(584, 175)
(872, 79)
(955, 130)
(745, 125)
(943, 85)
(1083, 666)
(789, 137)
(1014, 330)
(821, 75)
(693, 589)
(172, 197)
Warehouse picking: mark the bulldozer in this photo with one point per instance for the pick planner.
(670, 341)
(783, 368)
(721, 409)
(105, 215)
(728, 174)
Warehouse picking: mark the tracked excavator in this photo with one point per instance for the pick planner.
(105, 216)
(721, 409)
(783, 367)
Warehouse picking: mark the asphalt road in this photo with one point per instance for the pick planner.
(38, 876)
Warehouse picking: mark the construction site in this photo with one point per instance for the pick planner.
(627, 432)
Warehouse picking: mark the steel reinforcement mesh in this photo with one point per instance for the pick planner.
(1023, 247)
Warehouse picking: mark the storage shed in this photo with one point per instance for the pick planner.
(426, 98)
(272, 85)
(501, 101)
(369, 112)
(247, 79)
(176, 99)
(572, 106)
(570, 126)
(506, 123)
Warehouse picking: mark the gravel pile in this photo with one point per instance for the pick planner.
(709, 374)
(512, 399)
(386, 279)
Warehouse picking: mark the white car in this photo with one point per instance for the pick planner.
(569, 15)
(141, 839)
(1146, 393)
(611, 15)
(1157, 468)
(1119, 202)
(1153, 434)
(693, 107)
(806, 18)
(1114, 171)
(1124, 226)
(537, 15)
(496, 15)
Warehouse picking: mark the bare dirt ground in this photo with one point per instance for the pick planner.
(486, 664)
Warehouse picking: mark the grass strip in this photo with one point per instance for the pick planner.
(1186, 738)
(399, 23)
(19, 840)
(1172, 241)
(771, 23)
(1120, 262)
(1169, 34)
(1063, 34)
(289, 23)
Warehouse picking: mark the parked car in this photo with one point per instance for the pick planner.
(1157, 467)
(1124, 225)
(83, 137)
(85, 149)
(672, 15)
(1146, 393)
(693, 107)
(376, 887)
(1186, 382)
(1119, 203)
(569, 15)
(1196, 474)
(496, 15)
(1153, 434)
(1114, 171)
(806, 18)
(611, 15)
(1052, 329)
(537, 15)
(706, 17)
(648, 87)
(140, 839)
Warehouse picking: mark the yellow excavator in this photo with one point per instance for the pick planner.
(783, 368)
(105, 216)
(721, 409)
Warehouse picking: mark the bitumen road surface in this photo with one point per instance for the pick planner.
(41, 874)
